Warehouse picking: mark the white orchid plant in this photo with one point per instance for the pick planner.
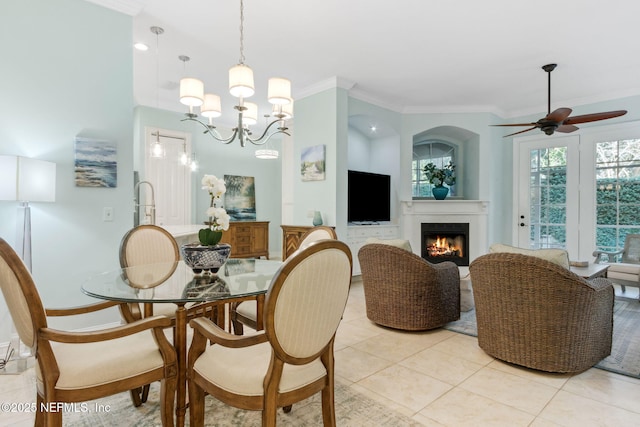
(218, 216)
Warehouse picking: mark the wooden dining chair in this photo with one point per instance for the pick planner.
(246, 312)
(146, 245)
(82, 366)
(293, 358)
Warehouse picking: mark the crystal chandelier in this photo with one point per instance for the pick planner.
(241, 86)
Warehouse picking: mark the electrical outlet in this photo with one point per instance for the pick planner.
(310, 214)
(107, 214)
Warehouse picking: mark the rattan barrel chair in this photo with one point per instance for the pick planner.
(404, 291)
(534, 313)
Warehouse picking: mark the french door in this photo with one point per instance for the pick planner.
(548, 193)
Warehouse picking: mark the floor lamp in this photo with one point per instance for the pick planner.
(25, 180)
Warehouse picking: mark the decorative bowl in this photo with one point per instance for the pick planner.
(205, 258)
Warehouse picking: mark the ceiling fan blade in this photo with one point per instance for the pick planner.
(522, 131)
(558, 115)
(566, 128)
(517, 124)
(594, 117)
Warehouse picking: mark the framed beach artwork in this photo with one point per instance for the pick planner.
(96, 163)
(240, 198)
(312, 163)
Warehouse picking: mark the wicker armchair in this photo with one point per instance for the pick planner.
(537, 314)
(404, 291)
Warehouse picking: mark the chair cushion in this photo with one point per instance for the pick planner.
(623, 267)
(556, 256)
(242, 370)
(248, 309)
(398, 243)
(92, 364)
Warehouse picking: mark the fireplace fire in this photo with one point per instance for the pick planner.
(446, 242)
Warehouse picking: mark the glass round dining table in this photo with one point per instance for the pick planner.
(237, 280)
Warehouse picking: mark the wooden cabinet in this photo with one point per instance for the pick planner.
(248, 239)
(291, 235)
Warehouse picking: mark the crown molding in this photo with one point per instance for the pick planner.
(321, 86)
(128, 7)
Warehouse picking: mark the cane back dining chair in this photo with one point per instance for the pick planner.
(293, 358)
(246, 312)
(81, 366)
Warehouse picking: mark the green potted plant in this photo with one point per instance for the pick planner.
(440, 176)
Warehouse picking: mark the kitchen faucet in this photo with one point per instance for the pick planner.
(138, 205)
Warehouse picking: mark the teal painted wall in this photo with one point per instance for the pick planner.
(67, 72)
(220, 159)
(317, 122)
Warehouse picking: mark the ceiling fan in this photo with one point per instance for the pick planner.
(558, 120)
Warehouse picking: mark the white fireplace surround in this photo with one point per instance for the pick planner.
(474, 212)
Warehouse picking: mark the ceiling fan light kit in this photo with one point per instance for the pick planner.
(559, 120)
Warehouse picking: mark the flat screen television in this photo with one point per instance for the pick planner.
(368, 197)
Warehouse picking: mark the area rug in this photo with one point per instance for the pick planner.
(353, 409)
(625, 349)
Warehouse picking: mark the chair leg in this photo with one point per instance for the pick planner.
(238, 329)
(196, 405)
(136, 396)
(328, 407)
(167, 398)
(145, 393)
(39, 421)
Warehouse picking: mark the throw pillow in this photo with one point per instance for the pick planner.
(398, 243)
(556, 256)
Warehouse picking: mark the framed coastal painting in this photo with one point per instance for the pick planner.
(240, 198)
(312, 163)
(96, 163)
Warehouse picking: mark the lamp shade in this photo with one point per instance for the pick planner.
(283, 111)
(279, 92)
(250, 115)
(241, 81)
(211, 106)
(28, 180)
(191, 92)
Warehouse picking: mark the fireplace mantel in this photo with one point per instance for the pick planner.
(474, 212)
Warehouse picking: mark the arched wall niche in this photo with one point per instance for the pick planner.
(467, 145)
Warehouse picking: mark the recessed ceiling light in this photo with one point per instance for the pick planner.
(373, 128)
(141, 46)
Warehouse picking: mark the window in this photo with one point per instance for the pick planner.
(431, 151)
(617, 192)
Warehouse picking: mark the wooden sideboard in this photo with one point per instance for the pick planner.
(291, 238)
(291, 235)
(248, 239)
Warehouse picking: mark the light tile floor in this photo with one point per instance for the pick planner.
(442, 378)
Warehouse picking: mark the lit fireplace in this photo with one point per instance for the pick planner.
(446, 242)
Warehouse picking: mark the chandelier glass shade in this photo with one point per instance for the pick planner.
(241, 86)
